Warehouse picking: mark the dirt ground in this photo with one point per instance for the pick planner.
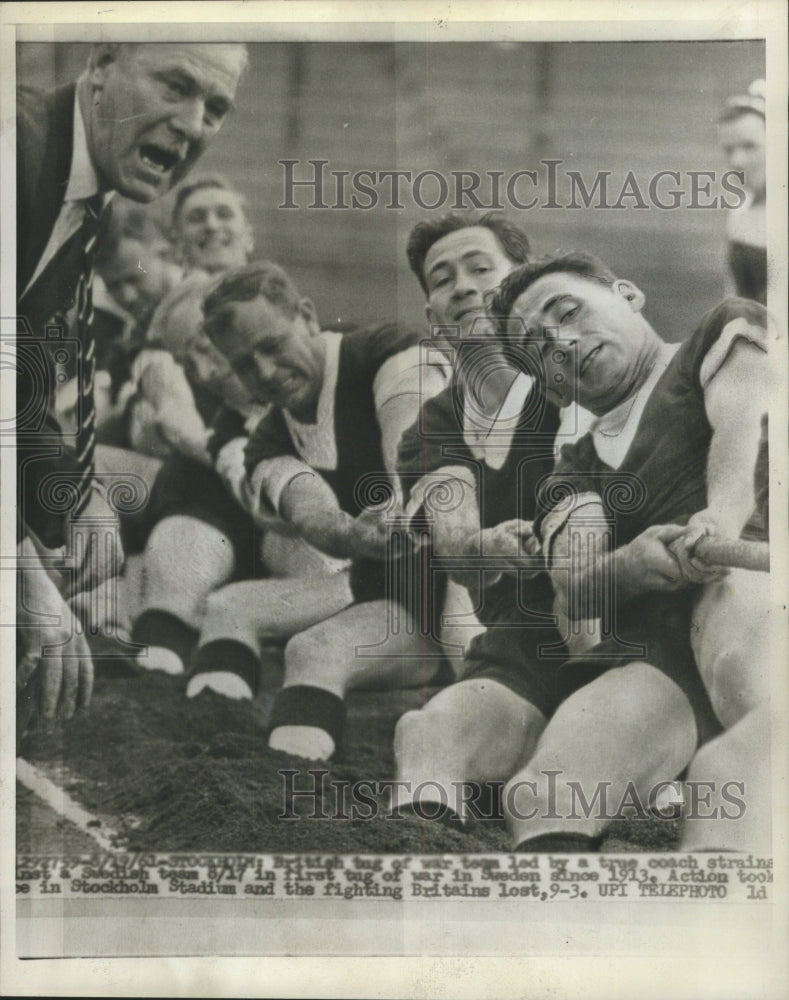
(170, 774)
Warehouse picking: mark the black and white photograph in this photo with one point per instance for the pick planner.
(394, 500)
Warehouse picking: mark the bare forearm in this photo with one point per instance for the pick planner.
(331, 532)
(456, 532)
(592, 576)
(310, 506)
(730, 467)
(735, 400)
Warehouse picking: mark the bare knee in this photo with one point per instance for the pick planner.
(219, 604)
(311, 658)
(449, 713)
(736, 683)
(746, 746)
(411, 729)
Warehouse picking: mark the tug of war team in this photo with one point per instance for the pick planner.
(537, 460)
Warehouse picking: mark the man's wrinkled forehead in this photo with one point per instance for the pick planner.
(463, 243)
(537, 306)
(207, 63)
(252, 319)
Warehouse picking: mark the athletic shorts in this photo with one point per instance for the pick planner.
(521, 647)
(184, 487)
(407, 581)
(655, 629)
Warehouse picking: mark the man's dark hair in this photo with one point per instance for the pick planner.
(243, 284)
(514, 241)
(130, 222)
(188, 188)
(584, 265)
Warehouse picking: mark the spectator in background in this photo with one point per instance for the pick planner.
(210, 228)
(742, 136)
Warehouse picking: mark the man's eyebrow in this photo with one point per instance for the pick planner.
(198, 82)
(437, 266)
(551, 302)
(466, 256)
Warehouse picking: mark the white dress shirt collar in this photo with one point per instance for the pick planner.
(83, 181)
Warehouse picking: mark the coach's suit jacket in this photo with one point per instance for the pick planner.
(45, 133)
(45, 129)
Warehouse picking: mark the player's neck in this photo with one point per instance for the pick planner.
(643, 367)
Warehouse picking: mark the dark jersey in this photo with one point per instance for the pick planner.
(662, 478)
(521, 456)
(354, 420)
(354, 465)
(518, 454)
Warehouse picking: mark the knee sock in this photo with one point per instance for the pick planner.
(226, 666)
(160, 628)
(307, 721)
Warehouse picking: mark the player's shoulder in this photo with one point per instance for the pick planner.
(374, 345)
(439, 423)
(269, 438)
(711, 343)
(723, 322)
(716, 319)
(442, 414)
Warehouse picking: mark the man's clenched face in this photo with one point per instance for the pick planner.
(153, 108)
(459, 269)
(280, 359)
(591, 336)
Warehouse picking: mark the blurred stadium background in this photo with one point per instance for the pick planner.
(504, 107)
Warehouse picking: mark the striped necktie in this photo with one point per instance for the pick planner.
(83, 317)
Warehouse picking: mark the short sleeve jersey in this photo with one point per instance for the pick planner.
(517, 456)
(351, 416)
(662, 478)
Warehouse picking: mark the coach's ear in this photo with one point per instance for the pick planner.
(632, 294)
(101, 56)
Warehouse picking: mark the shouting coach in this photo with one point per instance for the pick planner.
(135, 122)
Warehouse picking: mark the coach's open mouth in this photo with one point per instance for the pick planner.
(158, 158)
